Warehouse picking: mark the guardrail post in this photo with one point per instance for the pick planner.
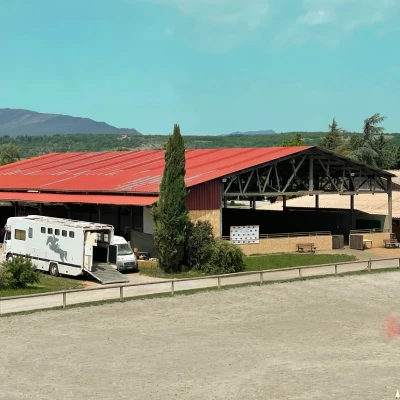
(121, 293)
(64, 299)
(219, 282)
(172, 288)
(300, 274)
(261, 278)
(335, 269)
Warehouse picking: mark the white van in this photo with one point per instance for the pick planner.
(126, 258)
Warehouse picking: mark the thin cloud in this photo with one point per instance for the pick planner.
(226, 12)
(222, 25)
(316, 18)
(332, 21)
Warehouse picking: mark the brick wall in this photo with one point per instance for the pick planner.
(286, 245)
(214, 216)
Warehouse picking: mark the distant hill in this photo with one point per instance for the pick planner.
(267, 132)
(14, 122)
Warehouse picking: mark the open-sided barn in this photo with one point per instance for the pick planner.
(120, 187)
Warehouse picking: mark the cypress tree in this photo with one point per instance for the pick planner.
(171, 216)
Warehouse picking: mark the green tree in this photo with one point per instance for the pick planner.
(9, 154)
(171, 216)
(334, 139)
(372, 147)
(370, 127)
(295, 141)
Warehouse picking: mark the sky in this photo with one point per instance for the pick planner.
(213, 66)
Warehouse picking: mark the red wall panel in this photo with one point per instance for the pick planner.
(206, 196)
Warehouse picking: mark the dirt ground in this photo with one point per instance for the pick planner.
(318, 339)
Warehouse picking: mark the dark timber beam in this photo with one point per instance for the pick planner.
(390, 211)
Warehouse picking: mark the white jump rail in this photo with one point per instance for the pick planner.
(367, 264)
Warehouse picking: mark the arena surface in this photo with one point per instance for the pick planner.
(318, 339)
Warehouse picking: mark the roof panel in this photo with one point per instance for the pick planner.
(79, 198)
(131, 171)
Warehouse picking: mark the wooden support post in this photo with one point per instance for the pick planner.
(335, 269)
(300, 274)
(172, 288)
(121, 293)
(219, 282)
(390, 211)
(261, 278)
(352, 211)
(119, 218)
(64, 299)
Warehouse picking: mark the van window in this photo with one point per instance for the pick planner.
(43, 229)
(57, 232)
(30, 233)
(71, 234)
(50, 231)
(20, 234)
(8, 235)
(64, 233)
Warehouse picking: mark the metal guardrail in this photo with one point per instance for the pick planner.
(289, 235)
(218, 280)
(361, 231)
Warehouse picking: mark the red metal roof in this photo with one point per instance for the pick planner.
(120, 200)
(129, 172)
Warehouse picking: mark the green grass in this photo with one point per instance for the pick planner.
(277, 261)
(259, 263)
(159, 273)
(47, 284)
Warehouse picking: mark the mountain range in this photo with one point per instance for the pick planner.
(266, 132)
(14, 122)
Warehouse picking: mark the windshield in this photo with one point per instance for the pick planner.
(124, 249)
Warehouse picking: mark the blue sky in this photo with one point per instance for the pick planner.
(213, 66)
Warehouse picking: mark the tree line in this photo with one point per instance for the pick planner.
(372, 147)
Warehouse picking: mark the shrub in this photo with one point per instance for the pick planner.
(19, 272)
(199, 245)
(3, 278)
(226, 258)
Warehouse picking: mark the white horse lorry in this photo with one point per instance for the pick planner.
(68, 247)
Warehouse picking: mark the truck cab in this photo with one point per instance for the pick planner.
(126, 258)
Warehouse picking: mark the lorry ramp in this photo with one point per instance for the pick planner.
(106, 274)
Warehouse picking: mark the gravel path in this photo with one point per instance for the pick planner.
(319, 339)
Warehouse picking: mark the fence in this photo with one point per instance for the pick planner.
(288, 235)
(361, 231)
(130, 290)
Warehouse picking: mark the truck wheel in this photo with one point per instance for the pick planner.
(54, 270)
(9, 257)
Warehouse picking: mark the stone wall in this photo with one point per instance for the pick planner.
(286, 245)
(214, 216)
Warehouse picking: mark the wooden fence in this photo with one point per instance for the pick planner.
(130, 290)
